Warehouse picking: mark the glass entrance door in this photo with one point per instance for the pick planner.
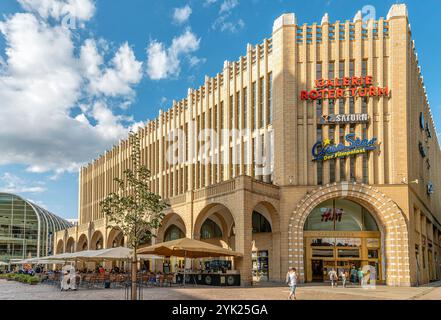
(350, 253)
(317, 270)
(260, 261)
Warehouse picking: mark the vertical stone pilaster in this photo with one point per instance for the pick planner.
(285, 98)
(396, 111)
(244, 236)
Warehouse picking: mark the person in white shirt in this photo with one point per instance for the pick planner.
(291, 281)
(333, 277)
(343, 276)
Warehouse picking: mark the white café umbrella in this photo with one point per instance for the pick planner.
(63, 256)
(120, 253)
(3, 263)
(38, 261)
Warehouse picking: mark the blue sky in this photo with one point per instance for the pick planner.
(68, 94)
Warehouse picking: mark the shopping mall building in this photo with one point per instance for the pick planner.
(316, 150)
(26, 229)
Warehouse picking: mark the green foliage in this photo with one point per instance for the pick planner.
(23, 278)
(134, 209)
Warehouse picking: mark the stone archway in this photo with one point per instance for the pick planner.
(171, 219)
(83, 243)
(382, 207)
(115, 238)
(60, 247)
(223, 218)
(70, 245)
(266, 243)
(97, 241)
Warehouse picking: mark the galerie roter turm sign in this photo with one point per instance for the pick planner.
(340, 88)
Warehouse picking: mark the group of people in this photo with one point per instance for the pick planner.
(69, 280)
(354, 276)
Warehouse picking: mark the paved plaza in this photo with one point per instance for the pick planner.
(17, 291)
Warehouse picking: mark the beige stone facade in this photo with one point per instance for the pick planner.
(228, 181)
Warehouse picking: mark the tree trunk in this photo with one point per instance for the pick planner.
(134, 276)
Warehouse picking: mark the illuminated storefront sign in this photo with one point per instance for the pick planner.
(325, 150)
(328, 214)
(340, 88)
(344, 118)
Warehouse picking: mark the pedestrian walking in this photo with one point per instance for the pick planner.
(343, 276)
(333, 277)
(360, 277)
(291, 281)
(353, 275)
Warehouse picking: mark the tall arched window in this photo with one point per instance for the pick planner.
(210, 230)
(173, 233)
(340, 215)
(260, 223)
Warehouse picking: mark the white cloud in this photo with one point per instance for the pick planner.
(224, 21)
(42, 85)
(39, 203)
(162, 62)
(58, 9)
(13, 184)
(228, 5)
(195, 61)
(116, 80)
(223, 24)
(209, 2)
(91, 60)
(181, 15)
(108, 125)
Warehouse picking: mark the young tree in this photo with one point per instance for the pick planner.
(134, 208)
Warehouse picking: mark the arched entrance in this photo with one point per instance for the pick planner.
(82, 243)
(60, 247)
(389, 217)
(70, 245)
(178, 231)
(343, 236)
(115, 238)
(172, 228)
(97, 241)
(265, 224)
(172, 233)
(216, 225)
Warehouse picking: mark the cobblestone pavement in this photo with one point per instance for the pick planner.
(17, 291)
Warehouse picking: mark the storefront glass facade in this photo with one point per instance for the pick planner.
(343, 236)
(26, 230)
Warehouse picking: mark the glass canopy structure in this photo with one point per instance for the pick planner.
(26, 229)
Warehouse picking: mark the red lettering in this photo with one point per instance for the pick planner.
(320, 83)
(372, 92)
(383, 91)
(331, 94)
(362, 92)
(313, 95)
(355, 81)
(346, 82)
(369, 80)
(353, 91)
(304, 95)
(329, 83)
(340, 93)
(322, 93)
(337, 82)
